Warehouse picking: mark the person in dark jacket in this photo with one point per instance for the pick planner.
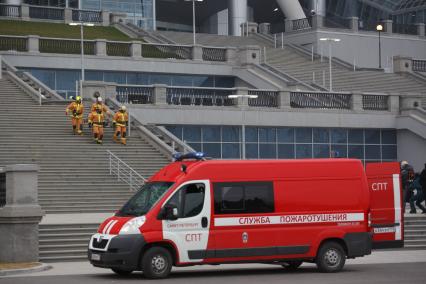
(423, 182)
(416, 194)
(407, 175)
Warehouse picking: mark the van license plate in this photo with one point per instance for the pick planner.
(96, 257)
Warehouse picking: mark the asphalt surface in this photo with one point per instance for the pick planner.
(412, 273)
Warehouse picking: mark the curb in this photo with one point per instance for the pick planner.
(39, 268)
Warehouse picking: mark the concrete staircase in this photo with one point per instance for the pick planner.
(415, 231)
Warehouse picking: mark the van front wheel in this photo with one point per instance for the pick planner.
(157, 263)
(330, 257)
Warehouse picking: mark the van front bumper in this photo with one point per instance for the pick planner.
(120, 252)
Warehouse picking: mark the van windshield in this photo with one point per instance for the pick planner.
(144, 199)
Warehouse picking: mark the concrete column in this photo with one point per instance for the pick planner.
(160, 94)
(33, 43)
(319, 7)
(353, 23)
(291, 9)
(106, 90)
(136, 49)
(1, 68)
(231, 55)
(265, 28)
(249, 54)
(357, 102)
(25, 12)
(410, 101)
(284, 99)
(20, 217)
(237, 14)
(101, 47)
(105, 18)
(420, 29)
(317, 22)
(402, 64)
(197, 52)
(387, 25)
(288, 25)
(242, 101)
(393, 103)
(68, 15)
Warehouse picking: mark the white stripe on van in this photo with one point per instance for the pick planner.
(107, 226)
(397, 206)
(289, 219)
(111, 226)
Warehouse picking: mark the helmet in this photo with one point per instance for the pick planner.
(99, 99)
(78, 99)
(123, 108)
(404, 163)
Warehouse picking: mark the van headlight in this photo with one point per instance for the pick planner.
(132, 226)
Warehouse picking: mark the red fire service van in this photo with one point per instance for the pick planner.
(284, 212)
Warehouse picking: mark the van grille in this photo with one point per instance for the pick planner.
(99, 245)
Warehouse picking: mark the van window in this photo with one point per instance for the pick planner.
(240, 198)
(189, 200)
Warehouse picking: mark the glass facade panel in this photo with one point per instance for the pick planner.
(356, 151)
(303, 151)
(115, 77)
(321, 150)
(286, 151)
(389, 152)
(211, 134)
(196, 146)
(321, 135)
(372, 152)
(230, 151)
(267, 135)
(339, 136)
(251, 134)
(388, 137)
(267, 151)
(212, 150)
(285, 135)
(192, 133)
(252, 151)
(339, 151)
(230, 134)
(356, 136)
(372, 136)
(176, 130)
(304, 135)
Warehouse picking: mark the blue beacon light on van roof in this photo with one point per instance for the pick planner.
(188, 156)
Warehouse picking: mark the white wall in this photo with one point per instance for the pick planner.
(411, 148)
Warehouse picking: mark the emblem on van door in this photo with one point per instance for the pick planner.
(245, 237)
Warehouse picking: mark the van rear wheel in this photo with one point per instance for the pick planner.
(157, 263)
(292, 264)
(330, 257)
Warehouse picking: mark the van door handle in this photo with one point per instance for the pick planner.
(204, 222)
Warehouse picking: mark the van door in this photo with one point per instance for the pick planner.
(190, 232)
(387, 220)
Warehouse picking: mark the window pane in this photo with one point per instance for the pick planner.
(93, 76)
(229, 198)
(304, 135)
(202, 81)
(338, 136)
(224, 82)
(321, 135)
(230, 133)
(356, 151)
(372, 136)
(212, 150)
(175, 130)
(389, 152)
(372, 152)
(339, 151)
(192, 133)
(160, 79)
(65, 80)
(266, 134)
(267, 151)
(321, 151)
(259, 198)
(251, 134)
(230, 151)
(286, 151)
(356, 136)
(211, 134)
(285, 135)
(303, 151)
(252, 151)
(115, 77)
(388, 137)
(181, 80)
(194, 200)
(195, 146)
(45, 76)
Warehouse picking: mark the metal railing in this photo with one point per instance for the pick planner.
(15, 43)
(301, 24)
(135, 94)
(11, 11)
(320, 100)
(375, 102)
(419, 65)
(124, 172)
(404, 29)
(47, 13)
(118, 49)
(87, 16)
(66, 46)
(336, 22)
(265, 98)
(214, 54)
(169, 51)
(200, 96)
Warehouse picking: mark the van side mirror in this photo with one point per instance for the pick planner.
(169, 212)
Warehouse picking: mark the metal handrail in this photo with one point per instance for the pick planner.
(124, 172)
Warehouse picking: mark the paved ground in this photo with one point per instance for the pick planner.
(380, 267)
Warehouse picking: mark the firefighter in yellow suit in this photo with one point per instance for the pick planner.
(98, 104)
(120, 122)
(77, 109)
(96, 120)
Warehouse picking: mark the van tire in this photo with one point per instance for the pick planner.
(157, 263)
(121, 272)
(331, 257)
(292, 264)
